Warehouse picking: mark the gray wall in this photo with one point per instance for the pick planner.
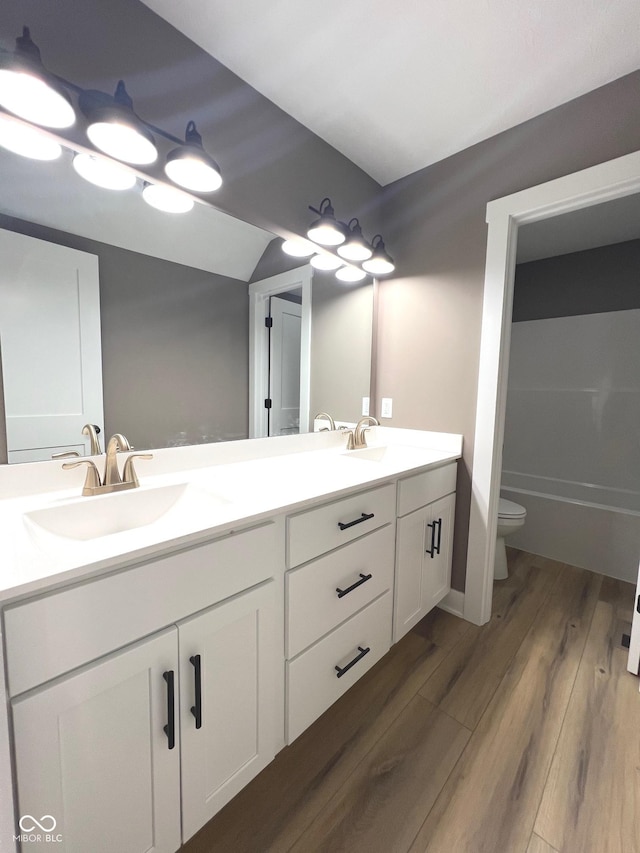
(588, 282)
(175, 346)
(431, 311)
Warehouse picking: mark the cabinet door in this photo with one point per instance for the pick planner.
(436, 568)
(229, 661)
(92, 756)
(413, 534)
(423, 562)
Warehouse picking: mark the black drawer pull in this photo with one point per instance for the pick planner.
(363, 579)
(170, 728)
(364, 517)
(340, 671)
(196, 709)
(439, 523)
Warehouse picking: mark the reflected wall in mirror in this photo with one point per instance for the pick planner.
(174, 311)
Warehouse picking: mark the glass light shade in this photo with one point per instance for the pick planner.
(355, 249)
(326, 232)
(298, 248)
(123, 141)
(189, 169)
(351, 274)
(167, 199)
(378, 265)
(27, 141)
(103, 173)
(32, 98)
(325, 262)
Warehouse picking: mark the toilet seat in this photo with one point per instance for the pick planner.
(510, 509)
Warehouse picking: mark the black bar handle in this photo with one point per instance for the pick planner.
(340, 671)
(364, 517)
(432, 549)
(638, 604)
(196, 709)
(439, 523)
(170, 728)
(363, 579)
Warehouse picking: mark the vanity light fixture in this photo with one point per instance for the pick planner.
(191, 167)
(27, 141)
(298, 248)
(355, 248)
(380, 263)
(103, 172)
(326, 262)
(351, 274)
(28, 90)
(326, 230)
(114, 127)
(167, 199)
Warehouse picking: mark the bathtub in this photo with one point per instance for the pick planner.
(590, 526)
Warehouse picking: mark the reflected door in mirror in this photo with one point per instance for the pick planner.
(51, 346)
(284, 366)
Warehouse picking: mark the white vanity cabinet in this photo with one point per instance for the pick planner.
(136, 750)
(338, 602)
(424, 544)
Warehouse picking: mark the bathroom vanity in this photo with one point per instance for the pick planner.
(162, 645)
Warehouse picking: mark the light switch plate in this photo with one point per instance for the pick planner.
(365, 406)
(386, 408)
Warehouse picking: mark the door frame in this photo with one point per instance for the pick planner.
(603, 182)
(259, 295)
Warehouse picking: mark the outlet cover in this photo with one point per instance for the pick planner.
(386, 408)
(365, 406)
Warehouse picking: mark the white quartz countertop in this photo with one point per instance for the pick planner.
(186, 496)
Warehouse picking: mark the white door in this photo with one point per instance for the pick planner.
(50, 344)
(633, 664)
(93, 759)
(284, 366)
(438, 552)
(228, 660)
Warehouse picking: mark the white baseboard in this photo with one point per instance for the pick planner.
(453, 602)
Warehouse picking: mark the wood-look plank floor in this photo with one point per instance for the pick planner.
(517, 737)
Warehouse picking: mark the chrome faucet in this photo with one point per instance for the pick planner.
(357, 439)
(112, 481)
(92, 431)
(326, 416)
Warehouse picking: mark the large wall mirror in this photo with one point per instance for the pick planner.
(173, 307)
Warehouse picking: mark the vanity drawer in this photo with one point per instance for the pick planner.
(326, 527)
(56, 633)
(423, 489)
(314, 605)
(312, 679)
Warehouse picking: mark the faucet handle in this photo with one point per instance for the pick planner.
(93, 430)
(66, 454)
(129, 473)
(92, 481)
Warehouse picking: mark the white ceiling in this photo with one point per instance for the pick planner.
(396, 86)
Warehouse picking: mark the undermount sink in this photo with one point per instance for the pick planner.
(102, 515)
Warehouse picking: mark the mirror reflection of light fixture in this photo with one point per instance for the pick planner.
(326, 230)
(380, 263)
(167, 199)
(27, 141)
(114, 127)
(298, 248)
(351, 274)
(103, 173)
(28, 90)
(191, 167)
(326, 263)
(355, 248)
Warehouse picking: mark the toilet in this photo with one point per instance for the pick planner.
(511, 517)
